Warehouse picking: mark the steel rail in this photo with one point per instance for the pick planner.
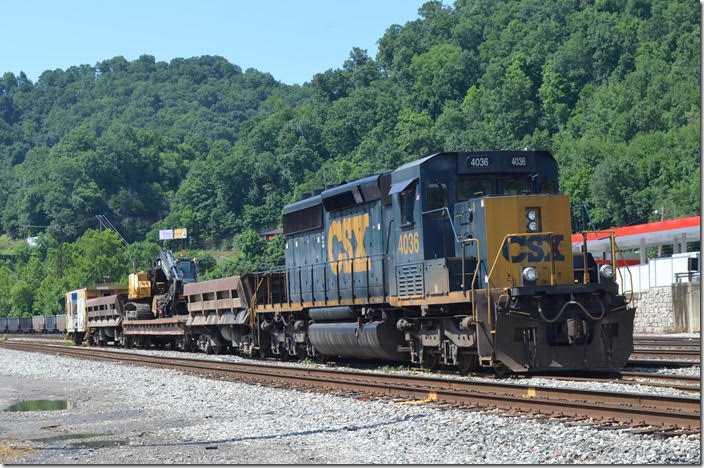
(629, 408)
(677, 382)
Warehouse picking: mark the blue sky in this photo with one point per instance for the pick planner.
(292, 40)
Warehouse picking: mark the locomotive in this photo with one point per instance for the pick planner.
(458, 259)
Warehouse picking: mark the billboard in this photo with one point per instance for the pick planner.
(180, 233)
(166, 234)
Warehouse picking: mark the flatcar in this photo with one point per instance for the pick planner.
(459, 259)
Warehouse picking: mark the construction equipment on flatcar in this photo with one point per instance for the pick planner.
(158, 292)
(156, 309)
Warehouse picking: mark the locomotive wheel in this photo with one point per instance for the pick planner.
(466, 362)
(300, 352)
(430, 359)
(321, 358)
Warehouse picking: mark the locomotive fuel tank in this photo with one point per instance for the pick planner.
(370, 340)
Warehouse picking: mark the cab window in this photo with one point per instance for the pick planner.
(188, 271)
(517, 185)
(470, 188)
(547, 186)
(436, 195)
(407, 200)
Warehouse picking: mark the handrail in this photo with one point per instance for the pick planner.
(614, 250)
(463, 241)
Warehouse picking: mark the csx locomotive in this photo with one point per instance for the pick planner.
(458, 259)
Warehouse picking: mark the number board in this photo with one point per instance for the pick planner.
(496, 162)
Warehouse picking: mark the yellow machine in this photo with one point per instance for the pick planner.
(158, 292)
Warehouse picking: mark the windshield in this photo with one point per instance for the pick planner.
(188, 270)
(517, 185)
(470, 188)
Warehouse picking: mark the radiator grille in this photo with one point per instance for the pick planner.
(409, 279)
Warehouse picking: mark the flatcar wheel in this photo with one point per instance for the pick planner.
(430, 359)
(500, 369)
(466, 362)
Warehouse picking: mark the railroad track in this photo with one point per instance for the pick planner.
(666, 348)
(680, 382)
(665, 412)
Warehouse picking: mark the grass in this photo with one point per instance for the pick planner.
(4, 337)
(7, 244)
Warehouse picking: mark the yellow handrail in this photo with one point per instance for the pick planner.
(614, 250)
(474, 275)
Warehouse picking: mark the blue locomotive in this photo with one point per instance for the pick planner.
(459, 258)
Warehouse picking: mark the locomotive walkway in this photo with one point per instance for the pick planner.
(636, 409)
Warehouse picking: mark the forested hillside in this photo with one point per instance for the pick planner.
(610, 87)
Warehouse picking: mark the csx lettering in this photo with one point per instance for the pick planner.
(531, 248)
(408, 243)
(343, 231)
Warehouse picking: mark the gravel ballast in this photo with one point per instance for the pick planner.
(164, 416)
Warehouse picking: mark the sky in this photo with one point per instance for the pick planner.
(293, 40)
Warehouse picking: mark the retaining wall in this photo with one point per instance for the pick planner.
(668, 309)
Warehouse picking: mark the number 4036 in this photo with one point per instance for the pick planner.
(408, 243)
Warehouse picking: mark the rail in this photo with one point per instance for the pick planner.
(665, 411)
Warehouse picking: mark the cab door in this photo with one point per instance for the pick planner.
(438, 237)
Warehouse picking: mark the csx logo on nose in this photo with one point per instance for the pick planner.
(535, 251)
(340, 234)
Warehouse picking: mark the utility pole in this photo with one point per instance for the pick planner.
(661, 212)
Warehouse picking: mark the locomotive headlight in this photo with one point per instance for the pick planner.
(606, 271)
(533, 219)
(530, 274)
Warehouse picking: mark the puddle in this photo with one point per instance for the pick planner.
(70, 437)
(98, 443)
(41, 405)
